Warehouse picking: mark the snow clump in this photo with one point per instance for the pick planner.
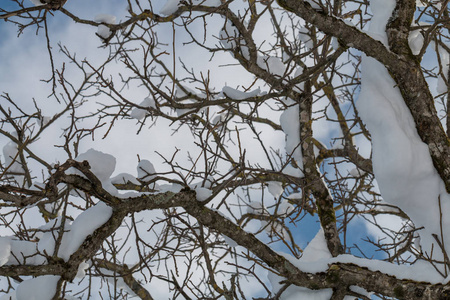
(103, 31)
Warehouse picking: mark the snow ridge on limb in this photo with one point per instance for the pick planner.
(405, 70)
(337, 275)
(415, 91)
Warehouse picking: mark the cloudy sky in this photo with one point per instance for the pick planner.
(24, 61)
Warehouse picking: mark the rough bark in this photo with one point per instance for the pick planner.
(337, 276)
(403, 66)
(314, 183)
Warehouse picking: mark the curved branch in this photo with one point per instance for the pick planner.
(337, 275)
(404, 68)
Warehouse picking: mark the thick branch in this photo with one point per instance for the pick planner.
(404, 68)
(337, 275)
(314, 181)
(414, 88)
(127, 276)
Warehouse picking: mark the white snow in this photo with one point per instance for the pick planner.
(420, 271)
(289, 121)
(335, 43)
(103, 30)
(303, 36)
(43, 121)
(419, 3)
(82, 269)
(285, 208)
(174, 188)
(219, 118)
(314, 4)
(401, 161)
(256, 208)
(5, 250)
(316, 258)
(12, 160)
(138, 113)
(295, 196)
(443, 78)
(146, 170)
(229, 35)
(272, 64)
(102, 164)
(39, 288)
(358, 290)
(297, 293)
(47, 240)
(317, 249)
(415, 41)
(275, 188)
(229, 38)
(37, 2)
(276, 228)
(22, 253)
(105, 18)
(291, 171)
(180, 93)
(123, 178)
(355, 172)
(9, 153)
(202, 193)
(315, 252)
(85, 224)
(382, 10)
(239, 95)
(229, 241)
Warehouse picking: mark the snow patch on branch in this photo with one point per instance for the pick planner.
(303, 35)
(239, 95)
(229, 35)
(289, 121)
(102, 164)
(12, 160)
(275, 188)
(443, 77)
(103, 31)
(105, 18)
(146, 171)
(316, 251)
(139, 113)
(85, 224)
(39, 288)
(401, 161)
(272, 64)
